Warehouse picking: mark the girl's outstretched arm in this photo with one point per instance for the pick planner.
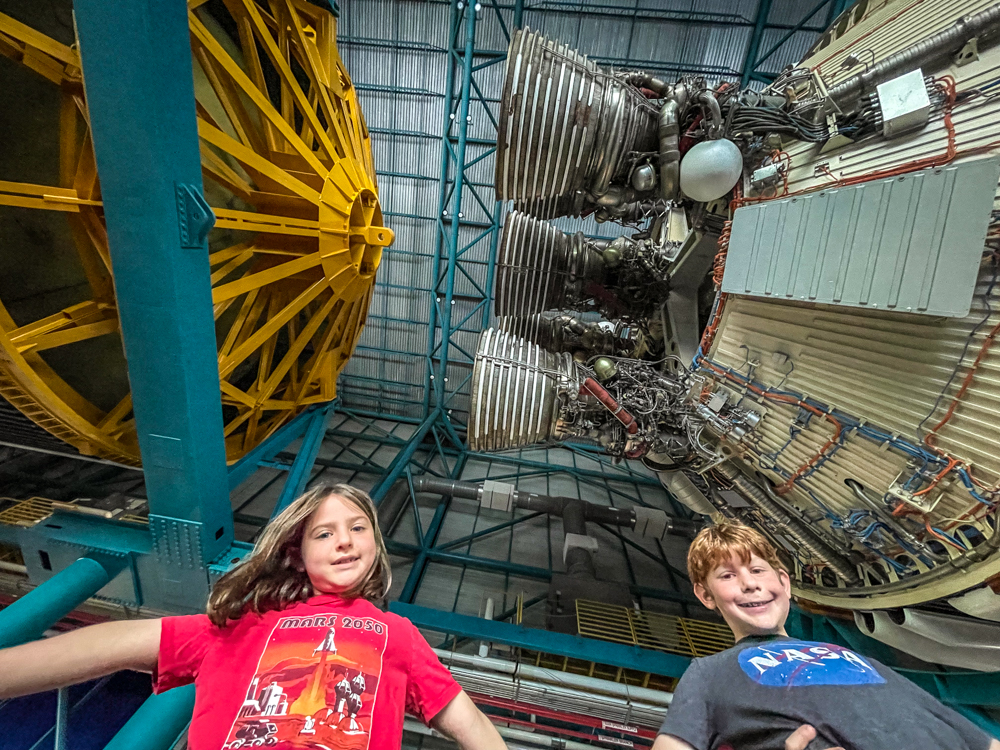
(78, 656)
(467, 725)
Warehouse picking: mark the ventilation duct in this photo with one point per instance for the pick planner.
(567, 131)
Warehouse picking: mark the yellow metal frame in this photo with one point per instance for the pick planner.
(298, 237)
(651, 630)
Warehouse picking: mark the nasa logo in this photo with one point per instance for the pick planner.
(803, 663)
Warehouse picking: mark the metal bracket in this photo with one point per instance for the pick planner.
(176, 542)
(968, 54)
(194, 216)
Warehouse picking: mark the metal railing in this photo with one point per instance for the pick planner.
(674, 635)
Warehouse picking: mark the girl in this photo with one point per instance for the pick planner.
(292, 653)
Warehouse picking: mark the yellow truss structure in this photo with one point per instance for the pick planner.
(299, 234)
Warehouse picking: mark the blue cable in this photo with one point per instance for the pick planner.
(852, 424)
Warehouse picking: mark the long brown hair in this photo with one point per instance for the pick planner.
(273, 575)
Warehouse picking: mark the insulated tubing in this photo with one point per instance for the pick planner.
(565, 127)
(513, 392)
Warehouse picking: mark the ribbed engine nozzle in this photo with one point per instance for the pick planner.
(566, 128)
(540, 268)
(514, 392)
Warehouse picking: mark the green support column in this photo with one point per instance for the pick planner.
(158, 722)
(35, 612)
(136, 58)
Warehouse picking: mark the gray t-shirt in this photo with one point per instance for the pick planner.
(752, 696)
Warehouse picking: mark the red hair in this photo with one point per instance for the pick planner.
(716, 545)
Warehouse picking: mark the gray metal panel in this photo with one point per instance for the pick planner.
(909, 244)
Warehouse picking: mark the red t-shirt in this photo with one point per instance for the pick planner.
(327, 673)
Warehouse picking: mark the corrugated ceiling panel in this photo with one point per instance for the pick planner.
(910, 243)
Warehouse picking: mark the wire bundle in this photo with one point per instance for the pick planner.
(743, 119)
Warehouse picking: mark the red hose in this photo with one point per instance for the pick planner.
(593, 388)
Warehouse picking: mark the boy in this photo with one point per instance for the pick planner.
(756, 694)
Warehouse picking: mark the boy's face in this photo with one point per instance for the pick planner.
(752, 597)
(338, 546)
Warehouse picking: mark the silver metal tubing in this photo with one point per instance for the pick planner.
(846, 93)
(712, 111)
(517, 670)
(772, 507)
(670, 155)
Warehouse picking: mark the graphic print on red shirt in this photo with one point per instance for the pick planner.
(314, 687)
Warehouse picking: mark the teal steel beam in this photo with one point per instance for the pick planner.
(142, 119)
(788, 35)
(60, 741)
(429, 384)
(545, 641)
(618, 476)
(525, 571)
(305, 459)
(753, 46)
(158, 722)
(981, 689)
(266, 451)
(449, 240)
(402, 460)
(987, 723)
(35, 612)
(491, 530)
(429, 538)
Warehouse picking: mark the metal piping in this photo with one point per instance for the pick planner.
(773, 507)
(575, 514)
(845, 94)
(713, 113)
(521, 735)
(32, 614)
(892, 522)
(668, 132)
(588, 684)
(548, 504)
(678, 484)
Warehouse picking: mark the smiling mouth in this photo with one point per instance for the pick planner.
(755, 605)
(346, 560)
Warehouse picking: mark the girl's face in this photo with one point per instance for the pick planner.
(338, 546)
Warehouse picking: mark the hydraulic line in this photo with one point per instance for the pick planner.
(892, 522)
(772, 507)
(846, 94)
